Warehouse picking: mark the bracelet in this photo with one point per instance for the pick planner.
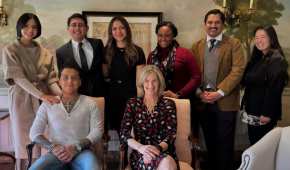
(178, 95)
(159, 148)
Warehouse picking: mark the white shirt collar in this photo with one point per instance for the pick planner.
(75, 43)
(218, 38)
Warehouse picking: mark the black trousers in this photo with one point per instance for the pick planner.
(219, 132)
(257, 132)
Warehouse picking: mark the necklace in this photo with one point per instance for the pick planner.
(68, 105)
(150, 109)
(150, 106)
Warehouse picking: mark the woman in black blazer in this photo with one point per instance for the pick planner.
(264, 80)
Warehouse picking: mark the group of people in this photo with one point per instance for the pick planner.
(48, 91)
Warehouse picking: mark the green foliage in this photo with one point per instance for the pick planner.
(267, 13)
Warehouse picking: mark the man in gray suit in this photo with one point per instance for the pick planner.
(84, 53)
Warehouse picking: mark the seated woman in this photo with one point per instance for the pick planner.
(73, 126)
(153, 119)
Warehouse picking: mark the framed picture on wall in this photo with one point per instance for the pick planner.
(142, 25)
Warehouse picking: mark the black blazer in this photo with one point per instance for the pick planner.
(92, 80)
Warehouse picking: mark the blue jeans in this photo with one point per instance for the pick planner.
(86, 160)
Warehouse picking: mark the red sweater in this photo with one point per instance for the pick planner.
(186, 76)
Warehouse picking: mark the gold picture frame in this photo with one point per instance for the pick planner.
(142, 25)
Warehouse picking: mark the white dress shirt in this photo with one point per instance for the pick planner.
(88, 49)
(217, 38)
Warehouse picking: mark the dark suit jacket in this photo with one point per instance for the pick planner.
(232, 63)
(92, 80)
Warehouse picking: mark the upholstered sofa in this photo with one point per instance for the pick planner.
(272, 152)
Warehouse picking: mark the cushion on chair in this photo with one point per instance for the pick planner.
(283, 152)
(182, 142)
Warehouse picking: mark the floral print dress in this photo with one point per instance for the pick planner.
(149, 129)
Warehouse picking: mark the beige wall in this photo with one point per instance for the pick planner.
(187, 15)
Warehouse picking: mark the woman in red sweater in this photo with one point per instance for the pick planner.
(181, 73)
(177, 64)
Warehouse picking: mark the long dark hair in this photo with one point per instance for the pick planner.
(131, 52)
(274, 46)
(274, 42)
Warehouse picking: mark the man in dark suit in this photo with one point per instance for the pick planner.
(222, 63)
(84, 53)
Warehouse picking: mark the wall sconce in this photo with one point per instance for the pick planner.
(3, 15)
(234, 16)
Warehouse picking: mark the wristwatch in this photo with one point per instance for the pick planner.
(78, 147)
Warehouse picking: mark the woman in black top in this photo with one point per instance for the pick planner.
(121, 60)
(264, 80)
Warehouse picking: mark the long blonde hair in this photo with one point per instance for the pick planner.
(146, 71)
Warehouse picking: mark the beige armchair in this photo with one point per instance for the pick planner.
(272, 152)
(99, 149)
(184, 146)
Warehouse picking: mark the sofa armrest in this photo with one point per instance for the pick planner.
(283, 152)
(262, 155)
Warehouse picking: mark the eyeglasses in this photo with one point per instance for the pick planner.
(74, 25)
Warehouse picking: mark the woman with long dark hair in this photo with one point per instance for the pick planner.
(264, 80)
(122, 57)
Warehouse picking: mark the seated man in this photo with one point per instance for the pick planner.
(73, 126)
